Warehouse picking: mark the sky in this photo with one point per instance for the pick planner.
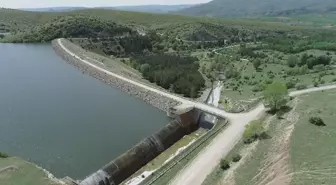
(89, 3)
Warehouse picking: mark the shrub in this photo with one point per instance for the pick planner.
(3, 155)
(253, 131)
(224, 164)
(317, 121)
(258, 88)
(316, 84)
(236, 158)
(301, 86)
(291, 84)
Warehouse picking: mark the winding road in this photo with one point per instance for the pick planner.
(204, 163)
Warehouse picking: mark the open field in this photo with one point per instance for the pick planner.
(297, 152)
(309, 20)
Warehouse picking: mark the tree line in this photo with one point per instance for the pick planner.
(173, 72)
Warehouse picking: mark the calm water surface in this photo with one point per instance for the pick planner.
(69, 123)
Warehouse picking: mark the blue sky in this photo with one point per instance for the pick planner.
(89, 3)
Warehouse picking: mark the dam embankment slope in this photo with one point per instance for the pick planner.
(161, 102)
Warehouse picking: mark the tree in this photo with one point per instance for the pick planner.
(144, 68)
(256, 64)
(292, 61)
(304, 59)
(275, 95)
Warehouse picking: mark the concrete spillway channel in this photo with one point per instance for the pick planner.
(124, 166)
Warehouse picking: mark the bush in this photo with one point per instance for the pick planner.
(258, 88)
(291, 84)
(224, 164)
(253, 131)
(301, 86)
(316, 84)
(236, 158)
(317, 121)
(3, 155)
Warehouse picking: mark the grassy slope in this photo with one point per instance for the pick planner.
(240, 8)
(313, 20)
(164, 23)
(311, 151)
(23, 173)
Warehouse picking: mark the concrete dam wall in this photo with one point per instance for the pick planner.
(124, 166)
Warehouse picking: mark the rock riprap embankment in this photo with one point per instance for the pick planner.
(156, 100)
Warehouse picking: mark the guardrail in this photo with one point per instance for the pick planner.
(168, 166)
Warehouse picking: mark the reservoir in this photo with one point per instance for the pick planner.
(64, 121)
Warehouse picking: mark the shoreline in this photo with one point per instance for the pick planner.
(154, 99)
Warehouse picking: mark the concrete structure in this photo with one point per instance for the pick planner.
(124, 166)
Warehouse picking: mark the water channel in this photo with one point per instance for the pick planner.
(66, 122)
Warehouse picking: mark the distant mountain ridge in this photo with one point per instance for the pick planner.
(245, 8)
(139, 8)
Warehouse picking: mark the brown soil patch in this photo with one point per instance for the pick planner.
(276, 167)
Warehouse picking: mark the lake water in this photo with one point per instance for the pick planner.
(67, 122)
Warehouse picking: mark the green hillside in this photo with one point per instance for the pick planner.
(243, 8)
(69, 27)
(184, 27)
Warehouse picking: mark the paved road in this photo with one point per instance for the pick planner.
(196, 172)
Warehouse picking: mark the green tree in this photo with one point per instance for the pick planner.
(292, 61)
(275, 95)
(144, 68)
(256, 63)
(304, 59)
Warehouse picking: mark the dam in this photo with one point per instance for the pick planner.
(186, 114)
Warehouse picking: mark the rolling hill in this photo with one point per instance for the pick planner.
(139, 8)
(243, 8)
(175, 26)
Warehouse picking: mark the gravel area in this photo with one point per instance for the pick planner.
(154, 99)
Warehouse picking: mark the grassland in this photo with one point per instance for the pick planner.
(297, 153)
(15, 171)
(308, 20)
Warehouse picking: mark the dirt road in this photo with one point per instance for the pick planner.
(196, 172)
(198, 169)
